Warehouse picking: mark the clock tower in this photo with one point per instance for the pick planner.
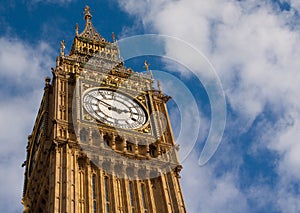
(102, 140)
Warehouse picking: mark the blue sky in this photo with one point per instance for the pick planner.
(254, 48)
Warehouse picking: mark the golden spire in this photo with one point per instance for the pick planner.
(89, 31)
(87, 14)
(76, 29)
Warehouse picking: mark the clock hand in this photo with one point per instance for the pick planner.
(117, 110)
(123, 110)
(110, 107)
(103, 102)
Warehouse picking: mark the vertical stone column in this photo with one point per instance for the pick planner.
(169, 127)
(147, 149)
(101, 139)
(73, 178)
(138, 196)
(179, 193)
(136, 146)
(114, 195)
(151, 201)
(160, 131)
(113, 141)
(166, 193)
(124, 145)
(58, 180)
(65, 178)
(76, 181)
(101, 191)
(88, 189)
(52, 180)
(178, 196)
(90, 136)
(127, 196)
(119, 204)
(153, 120)
(81, 160)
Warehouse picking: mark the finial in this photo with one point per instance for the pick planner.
(47, 81)
(159, 85)
(113, 37)
(87, 14)
(146, 65)
(62, 48)
(76, 29)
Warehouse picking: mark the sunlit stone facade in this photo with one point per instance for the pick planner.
(102, 140)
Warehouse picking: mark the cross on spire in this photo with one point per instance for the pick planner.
(87, 13)
(89, 31)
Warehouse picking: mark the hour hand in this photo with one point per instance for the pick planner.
(124, 110)
(117, 110)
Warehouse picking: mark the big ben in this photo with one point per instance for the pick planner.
(102, 140)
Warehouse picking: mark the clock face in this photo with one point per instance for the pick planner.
(114, 108)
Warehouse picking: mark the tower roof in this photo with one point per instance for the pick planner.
(89, 31)
(89, 41)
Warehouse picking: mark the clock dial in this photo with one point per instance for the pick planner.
(114, 108)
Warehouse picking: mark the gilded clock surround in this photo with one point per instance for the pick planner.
(114, 108)
(75, 163)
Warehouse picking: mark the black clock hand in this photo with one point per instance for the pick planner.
(110, 107)
(106, 104)
(124, 110)
(117, 110)
(103, 102)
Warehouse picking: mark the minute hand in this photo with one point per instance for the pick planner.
(110, 107)
(103, 102)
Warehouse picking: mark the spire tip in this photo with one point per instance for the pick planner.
(87, 13)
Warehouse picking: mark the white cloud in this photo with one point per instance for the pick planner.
(22, 64)
(294, 4)
(255, 51)
(22, 70)
(287, 144)
(287, 200)
(204, 192)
